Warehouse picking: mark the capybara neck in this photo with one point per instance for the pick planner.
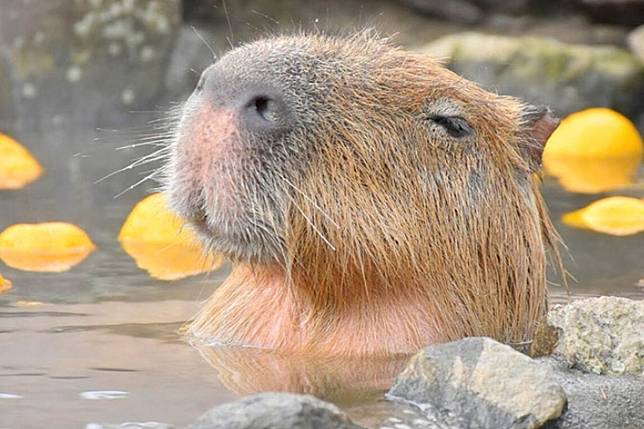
(396, 297)
(260, 307)
(371, 201)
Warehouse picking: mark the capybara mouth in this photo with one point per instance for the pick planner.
(241, 237)
(228, 225)
(212, 179)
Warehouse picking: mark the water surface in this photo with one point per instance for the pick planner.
(100, 343)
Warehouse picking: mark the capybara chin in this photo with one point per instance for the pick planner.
(371, 201)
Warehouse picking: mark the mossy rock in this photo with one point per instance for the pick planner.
(104, 55)
(595, 335)
(544, 71)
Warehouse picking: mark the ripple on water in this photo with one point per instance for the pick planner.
(103, 394)
(129, 425)
(9, 396)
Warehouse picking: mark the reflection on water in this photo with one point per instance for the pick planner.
(591, 176)
(157, 240)
(341, 381)
(100, 343)
(60, 357)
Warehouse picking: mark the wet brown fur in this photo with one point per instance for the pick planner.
(378, 261)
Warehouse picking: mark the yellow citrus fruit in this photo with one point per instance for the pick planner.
(17, 166)
(51, 246)
(162, 244)
(595, 150)
(613, 215)
(594, 133)
(5, 284)
(592, 176)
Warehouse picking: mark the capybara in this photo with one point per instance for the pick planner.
(371, 201)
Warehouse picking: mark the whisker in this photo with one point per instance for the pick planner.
(212, 51)
(308, 220)
(135, 145)
(154, 156)
(309, 199)
(230, 27)
(129, 188)
(265, 16)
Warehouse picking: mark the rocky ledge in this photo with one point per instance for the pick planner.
(599, 335)
(481, 383)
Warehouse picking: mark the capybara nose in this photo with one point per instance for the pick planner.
(263, 112)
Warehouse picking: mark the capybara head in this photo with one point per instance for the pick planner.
(367, 176)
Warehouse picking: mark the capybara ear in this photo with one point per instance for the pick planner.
(537, 124)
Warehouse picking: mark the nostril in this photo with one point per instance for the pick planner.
(260, 103)
(265, 107)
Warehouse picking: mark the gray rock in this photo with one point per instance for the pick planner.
(544, 71)
(6, 103)
(598, 401)
(625, 12)
(470, 10)
(480, 383)
(191, 55)
(275, 411)
(456, 10)
(636, 42)
(602, 335)
(80, 59)
(195, 10)
(129, 425)
(504, 6)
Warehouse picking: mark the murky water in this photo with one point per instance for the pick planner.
(100, 343)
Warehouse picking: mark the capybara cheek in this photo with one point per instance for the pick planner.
(183, 194)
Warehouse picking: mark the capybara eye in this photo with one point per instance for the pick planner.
(456, 126)
(266, 108)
